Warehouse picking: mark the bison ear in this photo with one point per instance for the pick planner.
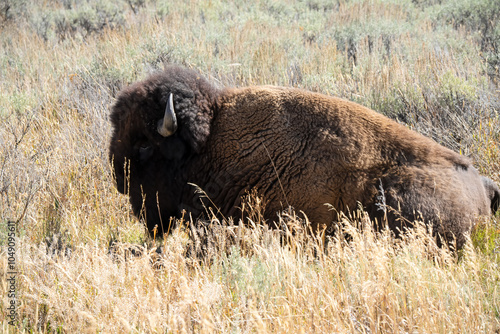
(194, 116)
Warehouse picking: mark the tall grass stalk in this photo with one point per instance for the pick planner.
(84, 262)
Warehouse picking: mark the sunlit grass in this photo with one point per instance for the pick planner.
(85, 263)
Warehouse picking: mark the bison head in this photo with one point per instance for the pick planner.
(158, 124)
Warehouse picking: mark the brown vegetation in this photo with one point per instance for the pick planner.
(61, 66)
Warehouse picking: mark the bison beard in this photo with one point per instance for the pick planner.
(297, 148)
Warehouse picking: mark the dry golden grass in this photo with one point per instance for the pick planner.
(372, 284)
(84, 263)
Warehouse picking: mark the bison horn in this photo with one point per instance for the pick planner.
(168, 124)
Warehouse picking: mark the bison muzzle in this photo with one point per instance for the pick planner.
(295, 147)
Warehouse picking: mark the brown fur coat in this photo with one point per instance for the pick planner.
(295, 147)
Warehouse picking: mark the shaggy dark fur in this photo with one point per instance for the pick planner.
(295, 147)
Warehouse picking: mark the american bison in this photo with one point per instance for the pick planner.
(297, 148)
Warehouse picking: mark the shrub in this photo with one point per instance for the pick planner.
(482, 19)
(79, 19)
(12, 10)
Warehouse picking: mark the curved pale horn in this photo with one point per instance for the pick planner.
(168, 124)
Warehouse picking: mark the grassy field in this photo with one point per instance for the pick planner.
(83, 263)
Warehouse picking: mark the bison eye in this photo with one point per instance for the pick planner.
(145, 152)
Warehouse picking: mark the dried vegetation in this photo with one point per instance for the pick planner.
(84, 263)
